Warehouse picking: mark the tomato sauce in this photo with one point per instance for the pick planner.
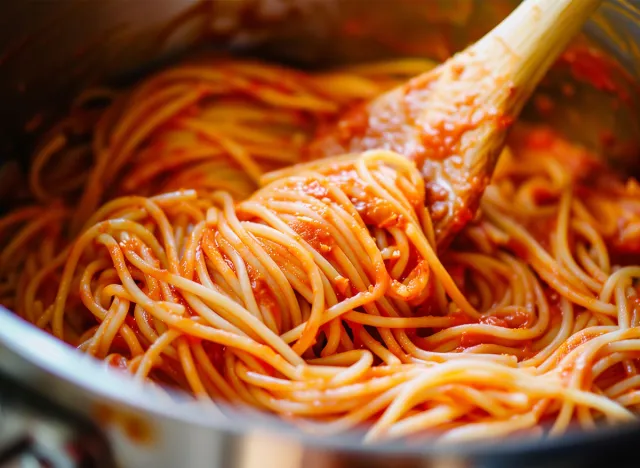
(263, 294)
(593, 67)
(314, 232)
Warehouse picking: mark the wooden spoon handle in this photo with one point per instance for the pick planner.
(532, 38)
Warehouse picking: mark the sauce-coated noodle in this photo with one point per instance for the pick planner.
(321, 295)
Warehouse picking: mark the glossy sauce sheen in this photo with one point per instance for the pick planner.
(435, 127)
(320, 297)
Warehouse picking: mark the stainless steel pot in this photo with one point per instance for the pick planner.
(61, 407)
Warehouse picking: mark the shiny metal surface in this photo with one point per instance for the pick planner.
(145, 429)
(37, 433)
(49, 50)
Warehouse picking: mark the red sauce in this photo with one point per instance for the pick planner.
(413, 120)
(442, 131)
(580, 162)
(518, 319)
(544, 104)
(625, 250)
(215, 352)
(430, 307)
(469, 340)
(541, 138)
(460, 318)
(462, 216)
(591, 179)
(518, 248)
(591, 66)
(494, 321)
(553, 298)
(607, 139)
(310, 187)
(354, 27)
(354, 123)
(263, 294)
(613, 374)
(315, 232)
(543, 195)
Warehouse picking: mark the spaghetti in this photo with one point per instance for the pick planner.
(320, 296)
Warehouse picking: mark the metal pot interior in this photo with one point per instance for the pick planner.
(51, 50)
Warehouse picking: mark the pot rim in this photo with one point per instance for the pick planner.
(62, 362)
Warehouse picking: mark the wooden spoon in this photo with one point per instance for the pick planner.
(453, 120)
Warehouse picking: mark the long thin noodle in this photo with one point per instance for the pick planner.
(171, 236)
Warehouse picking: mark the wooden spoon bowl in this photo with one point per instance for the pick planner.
(453, 120)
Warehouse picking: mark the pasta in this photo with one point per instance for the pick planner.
(176, 232)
